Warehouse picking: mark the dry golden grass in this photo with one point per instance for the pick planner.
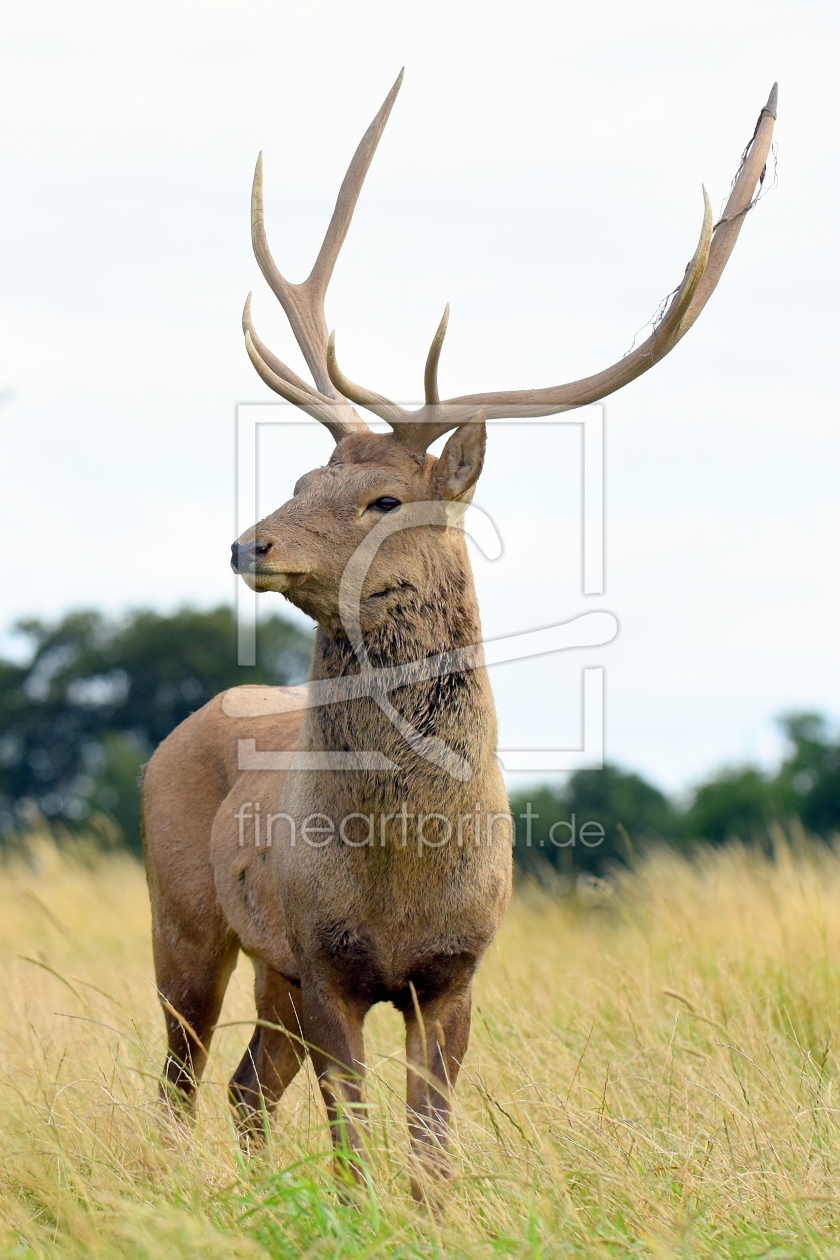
(652, 1073)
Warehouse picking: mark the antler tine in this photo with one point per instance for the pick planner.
(430, 375)
(415, 430)
(377, 403)
(294, 298)
(305, 398)
(277, 366)
(304, 303)
(740, 201)
(348, 194)
(336, 414)
(698, 284)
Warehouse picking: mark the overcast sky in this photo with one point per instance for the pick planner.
(541, 171)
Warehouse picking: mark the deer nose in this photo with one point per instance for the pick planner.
(243, 556)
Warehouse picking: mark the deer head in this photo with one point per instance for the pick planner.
(303, 548)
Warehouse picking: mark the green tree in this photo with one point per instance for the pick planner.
(598, 818)
(744, 802)
(808, 784)
(80, 717)
(737, 803)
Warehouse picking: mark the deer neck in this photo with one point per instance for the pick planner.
(426, 617)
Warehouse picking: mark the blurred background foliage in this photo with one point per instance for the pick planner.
(83, 711)
(738, 802)
(93, 698)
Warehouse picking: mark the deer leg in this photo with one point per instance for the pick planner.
(437, 1034)
(333, 1030)
(273, 1056)
(192, 977)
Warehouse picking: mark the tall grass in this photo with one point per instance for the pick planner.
(652, 1073)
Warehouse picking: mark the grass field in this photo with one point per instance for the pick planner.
(652, 1073)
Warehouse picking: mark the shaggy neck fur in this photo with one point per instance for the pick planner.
(438, 614)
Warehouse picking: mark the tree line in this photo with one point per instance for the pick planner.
(82, 714)
(739, 802)
(86, 707)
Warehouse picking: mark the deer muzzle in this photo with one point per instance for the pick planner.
(251, 560)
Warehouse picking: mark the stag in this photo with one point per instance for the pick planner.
(309, 867)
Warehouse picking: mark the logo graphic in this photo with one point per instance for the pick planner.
(590, 629)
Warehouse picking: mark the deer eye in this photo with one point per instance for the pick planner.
(386, 504)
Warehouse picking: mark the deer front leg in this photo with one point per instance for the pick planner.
(437, 1034)
(332, 1027)
(192, 975)
(273, 1056)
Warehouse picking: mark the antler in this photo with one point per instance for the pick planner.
(304, 303)
(417, 429)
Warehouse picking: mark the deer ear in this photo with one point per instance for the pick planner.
(460, 463)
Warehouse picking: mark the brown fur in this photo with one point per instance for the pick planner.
(334, 930)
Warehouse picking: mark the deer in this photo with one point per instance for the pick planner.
(306, 864)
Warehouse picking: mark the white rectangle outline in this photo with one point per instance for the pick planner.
(592, 420)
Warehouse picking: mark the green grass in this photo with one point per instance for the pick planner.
(652, 1073)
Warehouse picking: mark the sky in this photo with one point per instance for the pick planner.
(542, 172)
